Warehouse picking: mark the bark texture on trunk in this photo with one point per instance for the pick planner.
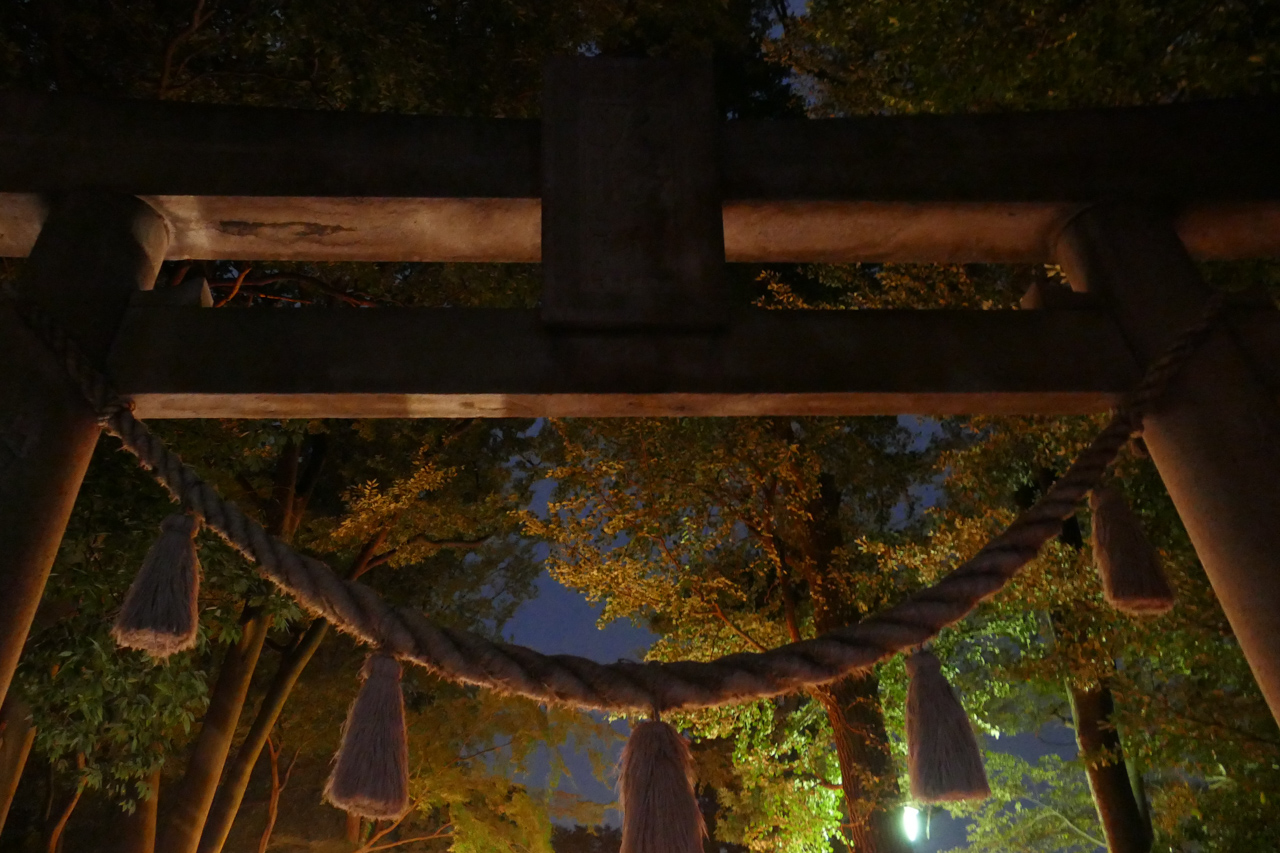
(16, 736)
(139, 835)
(227, 804)
(1126, 829)
(867, 773)
(194, 796)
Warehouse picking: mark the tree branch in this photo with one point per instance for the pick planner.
(472, 755)
(455, 544)
(372, 844)
(741, 633)
(360, 300)
(55, 835)
(1070, 824)
(198, 20)
(235, 288)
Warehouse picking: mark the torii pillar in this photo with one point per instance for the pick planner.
(1215, 437)
(94, 251)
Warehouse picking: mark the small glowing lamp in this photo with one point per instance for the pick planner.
(911, 822)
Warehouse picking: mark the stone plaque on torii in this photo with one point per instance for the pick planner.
(633, 194)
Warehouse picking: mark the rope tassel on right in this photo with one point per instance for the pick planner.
(1132, 580)
(371, 771)
(943, 759)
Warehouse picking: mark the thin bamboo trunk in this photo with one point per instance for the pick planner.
(185, 821)
(1122, 821)
(227, 805)
(16, 736)
(140, 827)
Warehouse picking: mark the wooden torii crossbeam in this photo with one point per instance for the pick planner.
(634, 195)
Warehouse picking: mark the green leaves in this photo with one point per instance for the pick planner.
(708, 531)
(1041, 806)
(925, 56)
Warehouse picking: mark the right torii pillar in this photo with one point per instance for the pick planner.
(1215, 436)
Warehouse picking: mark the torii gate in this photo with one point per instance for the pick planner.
(634, 195)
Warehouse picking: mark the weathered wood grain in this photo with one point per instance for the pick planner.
(177, 362)
(263, 184)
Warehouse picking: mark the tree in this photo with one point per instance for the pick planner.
(1051, 626)
(103, 716)
(768, 585)
(442, 530)
(936, 56)
(730, 535)
(920, 56)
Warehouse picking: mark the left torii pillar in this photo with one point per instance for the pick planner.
(95, 250)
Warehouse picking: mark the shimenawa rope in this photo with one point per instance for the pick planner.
(467, 657)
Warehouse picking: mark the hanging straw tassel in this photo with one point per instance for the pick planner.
(1132, 580)
(943, 760)
(371, 771)
(660, 811)
(160, 611)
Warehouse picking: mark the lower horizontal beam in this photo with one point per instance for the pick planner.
(937, 404)
(509, 230)
(178, 362)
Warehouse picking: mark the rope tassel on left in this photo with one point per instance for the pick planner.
(160, 612)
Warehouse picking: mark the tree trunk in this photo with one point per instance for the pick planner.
(1139, 787)
(185, 822)
(55, 832)
(16, 736)
(227, 805)
(230, 797)
(1122, 821)
(184, 825)
(277, 788)
(867, 773)
(852, 704)
(140, 827)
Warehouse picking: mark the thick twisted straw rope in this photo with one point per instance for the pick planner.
(467, 657)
